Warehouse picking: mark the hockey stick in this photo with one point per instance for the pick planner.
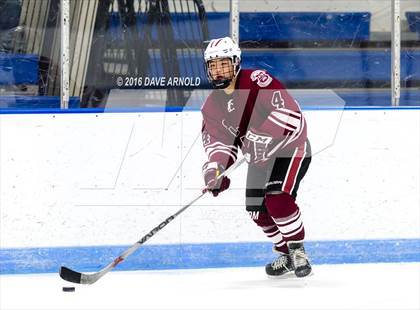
(83, 278)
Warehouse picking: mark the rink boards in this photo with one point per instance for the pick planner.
(76, 189)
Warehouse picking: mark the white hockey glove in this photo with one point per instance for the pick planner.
(255, 147)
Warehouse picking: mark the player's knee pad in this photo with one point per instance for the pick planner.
(280, 204)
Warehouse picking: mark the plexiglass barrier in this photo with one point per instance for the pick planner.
(30, 65)
(149, 54)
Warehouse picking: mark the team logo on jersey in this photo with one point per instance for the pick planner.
(234, 131)
(230, 106)
(277, 101)
(262, 78)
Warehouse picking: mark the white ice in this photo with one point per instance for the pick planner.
(352, 286)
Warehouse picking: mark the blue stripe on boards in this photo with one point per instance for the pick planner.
(212, 255)
(183, 109)
(98, 110)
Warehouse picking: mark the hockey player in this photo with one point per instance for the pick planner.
(251, 110)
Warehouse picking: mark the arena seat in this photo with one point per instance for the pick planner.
(413, 19)
(303, 66)
(302, 26)
(17, 69)
(355, 67)
(333, 65)
(266, 26)
(35, 102)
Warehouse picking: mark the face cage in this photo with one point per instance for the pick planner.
(223, 83)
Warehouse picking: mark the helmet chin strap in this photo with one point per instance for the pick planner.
(221, 84)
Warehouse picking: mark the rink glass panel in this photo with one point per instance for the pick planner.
(142, 53)
(29, 54)
(341, 47)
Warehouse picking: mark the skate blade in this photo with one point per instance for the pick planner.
(307, 276)
(290, 275)
(287, 275)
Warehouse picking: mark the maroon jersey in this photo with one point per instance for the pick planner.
(259, 102)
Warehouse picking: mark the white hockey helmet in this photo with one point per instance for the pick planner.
(222, 48)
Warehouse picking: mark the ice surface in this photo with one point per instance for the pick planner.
(352, 286)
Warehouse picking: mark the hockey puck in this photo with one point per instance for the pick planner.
(69, 288)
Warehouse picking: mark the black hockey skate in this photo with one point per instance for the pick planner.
(299, 259)
(280, 266)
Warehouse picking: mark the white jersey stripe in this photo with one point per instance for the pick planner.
(294, 233)
(222, 151)
(269, 235)
(291, 121)
(212, 149)
(280, 124)
(286, 221)
(296, 135)
(297, 115)
(277, 237)
(222, 144)
(280, 244)
(290, 227)
(266, 228)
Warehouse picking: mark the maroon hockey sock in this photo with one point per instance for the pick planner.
(264, 220)
(286, 214)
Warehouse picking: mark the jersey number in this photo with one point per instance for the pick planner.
(206, 138)
(277, 101)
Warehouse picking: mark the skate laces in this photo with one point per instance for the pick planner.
(299, 258)
(280, 262)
